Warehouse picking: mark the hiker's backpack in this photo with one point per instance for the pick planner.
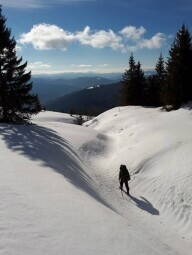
(124, 172)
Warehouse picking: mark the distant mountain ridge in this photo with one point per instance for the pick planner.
(92, 100)
(72, 75)
(50, 89)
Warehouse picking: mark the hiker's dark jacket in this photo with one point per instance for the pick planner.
(124, 174)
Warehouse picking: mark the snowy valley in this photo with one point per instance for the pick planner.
(59, 185)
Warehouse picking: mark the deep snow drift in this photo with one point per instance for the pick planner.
(59, 184)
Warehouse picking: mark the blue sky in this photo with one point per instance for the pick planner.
(94, 35)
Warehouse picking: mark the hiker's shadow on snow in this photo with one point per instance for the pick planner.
(51, 150)
(145, 205)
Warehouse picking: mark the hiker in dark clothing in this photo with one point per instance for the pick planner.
(124, 177)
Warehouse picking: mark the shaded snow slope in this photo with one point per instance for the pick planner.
(156, 146)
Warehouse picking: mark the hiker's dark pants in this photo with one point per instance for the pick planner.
(124, 181)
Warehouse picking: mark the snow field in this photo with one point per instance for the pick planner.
(59, 184)
(156, 146)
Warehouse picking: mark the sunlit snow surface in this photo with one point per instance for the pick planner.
(59, 184)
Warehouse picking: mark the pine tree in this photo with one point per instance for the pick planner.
(160, 78)
(140, 81)
(133, 84)
(160, 68)
(179, 67)
(128, 82)
(16, 102)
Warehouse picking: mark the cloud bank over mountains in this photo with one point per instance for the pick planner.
(130, 38)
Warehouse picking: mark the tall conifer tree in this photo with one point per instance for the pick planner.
(160, 68)
(140, 84)
(128, 89)
(179, 68)
(16, 102)
(160, 78)
(133, 84)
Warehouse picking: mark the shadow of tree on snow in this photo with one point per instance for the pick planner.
(145, 205)
(43, 144)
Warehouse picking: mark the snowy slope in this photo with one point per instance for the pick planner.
(48, 116)
(156, 146)
(59, 189)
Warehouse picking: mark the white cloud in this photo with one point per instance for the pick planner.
(85, 66)
(38, 65)
(103, 65)
(132, 32)
(89, 65)
(130, 38)
(82, 66)
(154, 42)
(136, 34)
(99, 39)
(47, 37)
